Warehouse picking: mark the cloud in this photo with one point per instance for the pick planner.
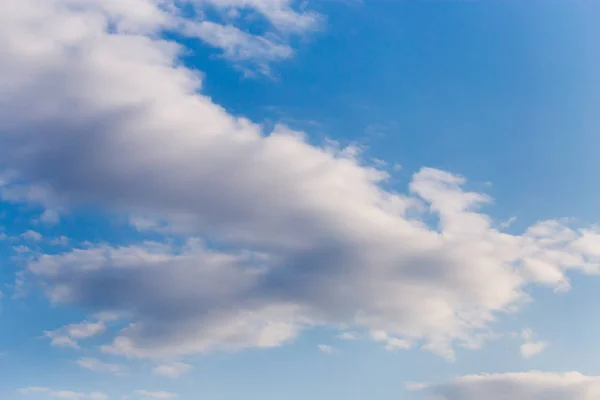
(530, 348)
(32, 236)
(527, 334)
(348, 336)
(227, 31)
(63, 341)
(160, 281)
(173, 370)
(21, 249)
(142, 224)
(326, 349)
(415, 386)
(283, 18)
(96, 365)
(307, 235)
(63, 394)
(280, 13)
(68, 335)
(522, 386)
(60, 241)
(50, 217)
(156, 395)
(391, 343)
(239, 46)
(508, 222)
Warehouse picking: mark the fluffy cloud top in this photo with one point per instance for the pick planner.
(522, 386)
(97, 109)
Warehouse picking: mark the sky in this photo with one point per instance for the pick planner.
(279, 199)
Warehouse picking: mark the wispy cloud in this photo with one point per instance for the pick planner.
(173, 370)
(63, 394)
(531, 347)
(156, 395)
(95, 365)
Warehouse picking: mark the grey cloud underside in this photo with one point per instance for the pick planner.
(112, 119)
(523, 386)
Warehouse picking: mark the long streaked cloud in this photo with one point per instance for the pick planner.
(305, 236)
(172, 370)
(155, 395)
(95, 365)
(62, 394)
(522, 386)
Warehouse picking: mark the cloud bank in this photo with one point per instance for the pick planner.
(96, 109)
(523, 386)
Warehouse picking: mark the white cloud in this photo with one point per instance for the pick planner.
(508, 222)
(227, 33)
(96, 365)
(280, 13)
(32, 236)
(527, 334)
(326, 349)
(20, 288)
(156, 395)
(313, 238)
(60, 241)
(391, 343)
(173, 370)
(522, 386)
(348, 336)
(68, 335)
(143, 224)
(84, 330)
(531, 347)
(63, 394)
(63, 341)
(50, 217)
(21, 249)
(284, 17)
(415, 386)
(238, 45)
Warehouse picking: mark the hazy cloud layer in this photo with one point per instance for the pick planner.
(522, 386)
(155, 395)
(62, 394)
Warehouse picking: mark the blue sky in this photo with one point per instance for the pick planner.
(269, 199)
